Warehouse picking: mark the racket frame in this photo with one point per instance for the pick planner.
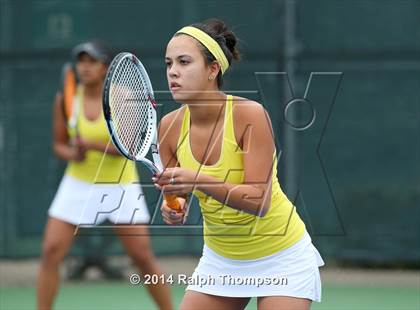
(154, 166)
(70, 107)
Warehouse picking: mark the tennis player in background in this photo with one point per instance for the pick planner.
(221, 148)
(80, 199)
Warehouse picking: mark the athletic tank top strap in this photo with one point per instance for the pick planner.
(229, 129)
(185, 127)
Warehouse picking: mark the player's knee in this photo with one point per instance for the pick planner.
(51, 253)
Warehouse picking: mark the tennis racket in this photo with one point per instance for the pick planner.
(130, 113)
(68, 90)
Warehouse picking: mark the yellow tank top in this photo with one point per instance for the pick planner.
(98, 167)
(229, 232)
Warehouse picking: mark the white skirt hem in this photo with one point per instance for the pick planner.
(291, 272)
(81, 203)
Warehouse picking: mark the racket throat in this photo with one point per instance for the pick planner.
(154, 149)
(156, 157)
(150, 165)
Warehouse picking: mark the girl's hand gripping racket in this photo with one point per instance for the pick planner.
(130, 113)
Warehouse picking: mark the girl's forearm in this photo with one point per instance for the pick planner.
(66, 152)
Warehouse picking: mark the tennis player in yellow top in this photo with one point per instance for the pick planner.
(99, 184)
(220, 148)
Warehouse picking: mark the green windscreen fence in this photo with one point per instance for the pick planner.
(340, 80)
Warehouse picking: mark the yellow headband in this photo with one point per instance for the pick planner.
(209, 43)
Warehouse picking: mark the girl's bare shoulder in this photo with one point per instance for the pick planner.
(248, 111)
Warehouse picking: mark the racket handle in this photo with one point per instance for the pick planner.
(173, 203)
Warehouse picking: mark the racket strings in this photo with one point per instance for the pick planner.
(131, 106)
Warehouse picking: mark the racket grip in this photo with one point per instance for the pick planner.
(173, 203)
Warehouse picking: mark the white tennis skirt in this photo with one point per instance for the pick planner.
(291, 272)
(82, 203)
